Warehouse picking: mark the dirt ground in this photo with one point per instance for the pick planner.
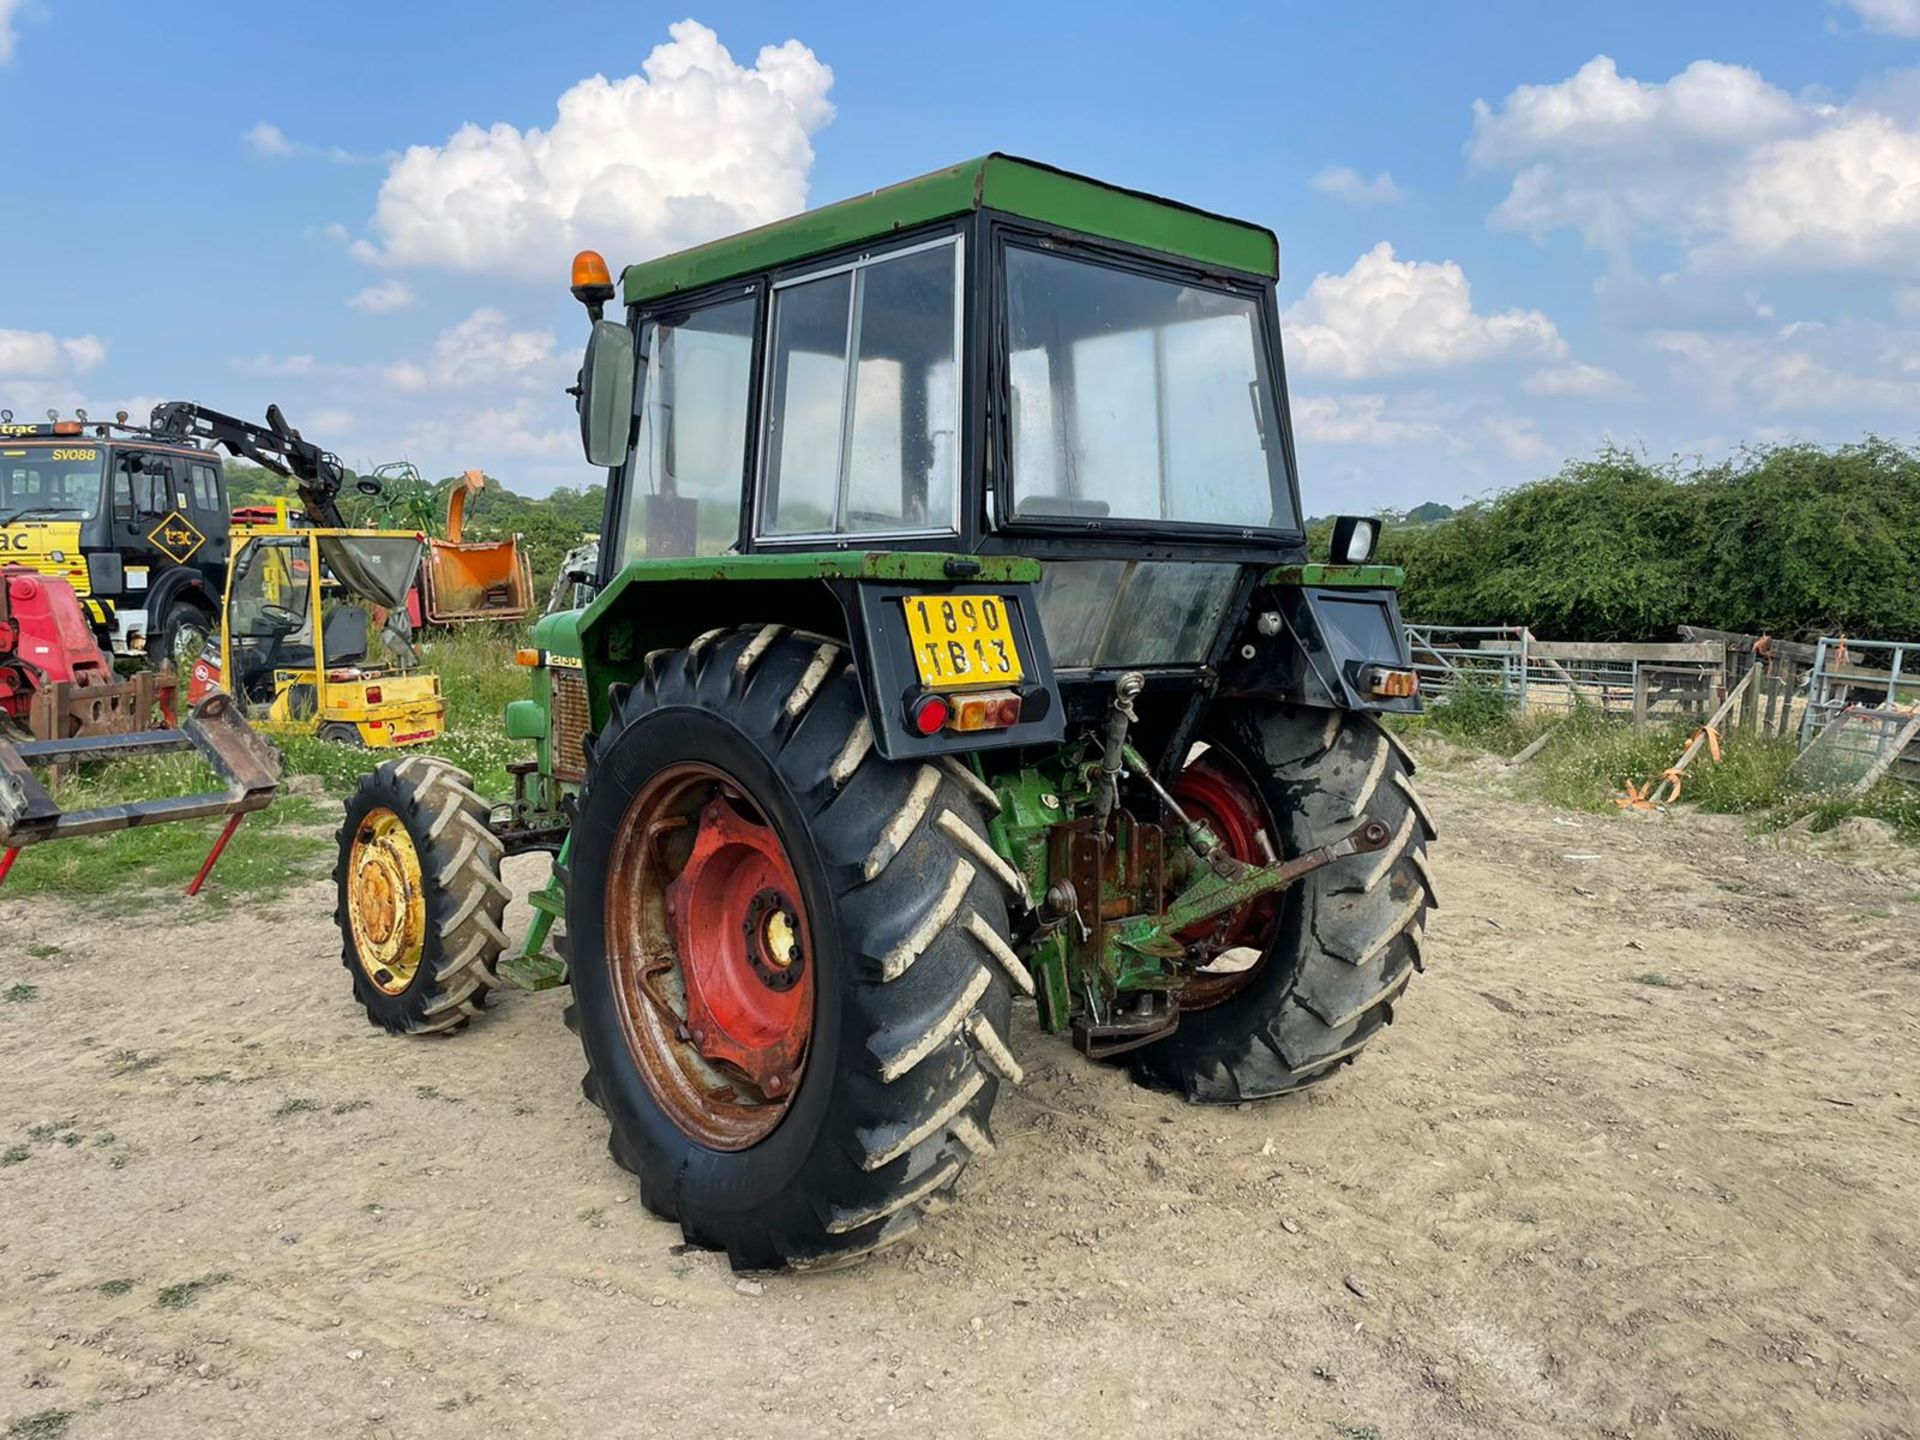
(1641, 1156)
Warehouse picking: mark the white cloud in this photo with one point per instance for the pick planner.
(524, 428)
(1906, 301)
(1388, 316)
(405, 375)
(39, 355)
(483, 350)
(276, 367)
(696, 146)
(331, 423)
(382, 299)
(1845, 197)
(1798, 368)
(271, 141)
(1736, 169)
(1343, 182)
(268, 140)
(9, 12)
(1574, 378)
(1610, 156)
(1358, 420)
(1893, 17)
(1518, 438)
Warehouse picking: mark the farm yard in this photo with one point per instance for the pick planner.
(677, 772)
(1637, 1158)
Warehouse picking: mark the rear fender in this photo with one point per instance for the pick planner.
(1326, 638)
(854, 597)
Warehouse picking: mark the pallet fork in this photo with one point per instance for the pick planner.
(247, 765)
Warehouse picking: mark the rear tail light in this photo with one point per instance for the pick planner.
(373, 694)
(928, 714)
(987, 710)
(1393, 684)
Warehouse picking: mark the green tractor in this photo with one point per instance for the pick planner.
(955, 640)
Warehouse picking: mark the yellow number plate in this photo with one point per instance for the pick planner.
(961, 640)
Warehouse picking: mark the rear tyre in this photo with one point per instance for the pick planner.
(879, 1004)
(339, 733)
(1332, 955)
(420, 897)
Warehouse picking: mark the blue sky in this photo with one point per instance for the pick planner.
(1510, 232)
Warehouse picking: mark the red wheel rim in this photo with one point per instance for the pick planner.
(711, 955)
(1218, 793)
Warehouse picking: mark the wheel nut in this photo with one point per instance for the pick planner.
(774, 1085)
(699, 1037)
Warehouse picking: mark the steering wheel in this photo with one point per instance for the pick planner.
(280, 620)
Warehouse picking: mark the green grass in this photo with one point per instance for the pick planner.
(1588, 759)
(188, 1292)
(42, 1425)
(20, 994)
(14, 1155)
(272, 850)
(295, 1105)
(290, 842)
(1480, 715)
(113, 1289)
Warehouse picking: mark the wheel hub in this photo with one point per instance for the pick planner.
(386, 901)
(711, 954)
(1214, 791)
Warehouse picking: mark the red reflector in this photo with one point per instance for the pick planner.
(66, 427)
(1396, 684)
(373, 694)
(928, 714)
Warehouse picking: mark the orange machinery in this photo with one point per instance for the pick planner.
(466, 580)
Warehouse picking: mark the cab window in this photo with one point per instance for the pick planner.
(688, 465)
(863, 398)
(142, 485)
(206, 488)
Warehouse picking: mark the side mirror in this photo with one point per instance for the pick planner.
(1355, 538)
(606, 394)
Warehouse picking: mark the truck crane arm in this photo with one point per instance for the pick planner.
(316, 473)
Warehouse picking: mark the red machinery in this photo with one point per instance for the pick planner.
(54, 681)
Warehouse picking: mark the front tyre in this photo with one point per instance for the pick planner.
(184, 633)
(1321, 965)
(789, 956)
(420, 897)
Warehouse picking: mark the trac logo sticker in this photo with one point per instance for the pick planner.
(177, 538)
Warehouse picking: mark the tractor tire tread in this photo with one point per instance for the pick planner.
(925, 1002)
(1361, 921)
(466, 897)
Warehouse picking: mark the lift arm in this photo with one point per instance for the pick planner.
(318, 474)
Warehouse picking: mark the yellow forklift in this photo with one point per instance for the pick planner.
(287, 584)
(313, 637)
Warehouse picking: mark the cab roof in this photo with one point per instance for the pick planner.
(1006, 183)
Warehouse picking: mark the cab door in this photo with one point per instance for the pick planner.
(207, 508)
(142, 492)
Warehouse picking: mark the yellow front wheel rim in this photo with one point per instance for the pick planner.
(386, 901)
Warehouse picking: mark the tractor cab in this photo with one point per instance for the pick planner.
(308, 642)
